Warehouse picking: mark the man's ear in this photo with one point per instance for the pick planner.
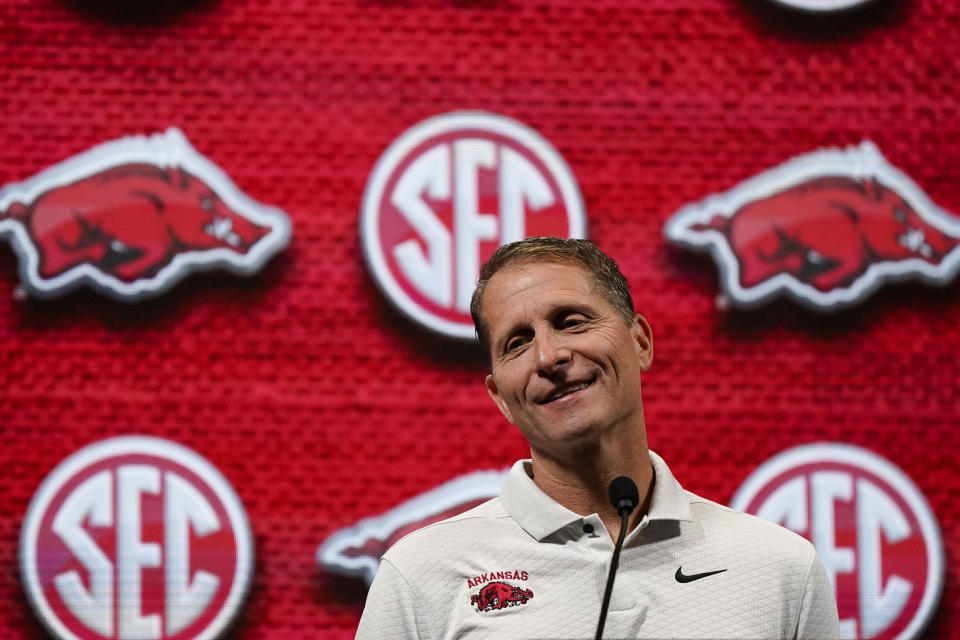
(498, 399)
(643, 341)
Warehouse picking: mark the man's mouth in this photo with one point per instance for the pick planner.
(566, 390)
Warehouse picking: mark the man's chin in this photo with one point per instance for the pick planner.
(575, 435)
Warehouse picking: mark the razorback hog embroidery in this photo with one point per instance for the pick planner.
(827, 228)
(499, 595)
(132, 216)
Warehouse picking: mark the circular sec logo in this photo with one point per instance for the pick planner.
(136, 537)
(445, 195)
(871, 526)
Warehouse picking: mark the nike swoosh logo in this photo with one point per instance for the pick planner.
(696, 576)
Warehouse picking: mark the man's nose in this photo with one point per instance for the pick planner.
(552, 354)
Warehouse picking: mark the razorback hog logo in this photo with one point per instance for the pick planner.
(500, 595)
(356, 550)
(826, 228)
(133, 216)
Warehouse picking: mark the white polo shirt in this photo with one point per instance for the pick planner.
(523, 566)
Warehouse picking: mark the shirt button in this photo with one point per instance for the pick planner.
(588, 528)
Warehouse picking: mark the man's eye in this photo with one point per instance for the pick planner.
(514, 344)
(571, 322)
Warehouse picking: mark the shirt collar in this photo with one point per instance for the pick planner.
(539, 515)
(669, 501)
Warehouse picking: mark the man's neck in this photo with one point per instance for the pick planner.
(580, 481)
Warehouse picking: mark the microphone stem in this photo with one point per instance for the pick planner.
(624, 517)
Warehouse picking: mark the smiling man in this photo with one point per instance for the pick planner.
(567, 352)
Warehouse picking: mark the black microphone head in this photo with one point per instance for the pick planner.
(624, 495)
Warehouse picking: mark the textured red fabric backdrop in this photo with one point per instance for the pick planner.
(323, 405)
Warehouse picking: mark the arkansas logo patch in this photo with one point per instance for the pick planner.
(132, 217)
(500, 595)
(826, 228)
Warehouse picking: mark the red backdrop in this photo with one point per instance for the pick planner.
(316, 399)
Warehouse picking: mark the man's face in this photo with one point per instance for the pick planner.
(565, 367)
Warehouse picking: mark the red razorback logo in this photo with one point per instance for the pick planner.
(133, 216)
(826, 228)
(500, 595)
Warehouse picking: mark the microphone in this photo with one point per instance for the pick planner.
(624, 497)
(623, 494)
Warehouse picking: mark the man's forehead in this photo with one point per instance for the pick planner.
(552, 274)
(526, 287)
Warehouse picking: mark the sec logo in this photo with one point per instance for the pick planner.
(445, 195)
(873, 530)
(135, 537)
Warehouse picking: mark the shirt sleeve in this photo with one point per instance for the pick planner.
(390, 611)
(818, 618)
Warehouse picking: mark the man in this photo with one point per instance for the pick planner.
(566, 355)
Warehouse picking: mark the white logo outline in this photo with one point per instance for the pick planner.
(823, 6)
(477, 485)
